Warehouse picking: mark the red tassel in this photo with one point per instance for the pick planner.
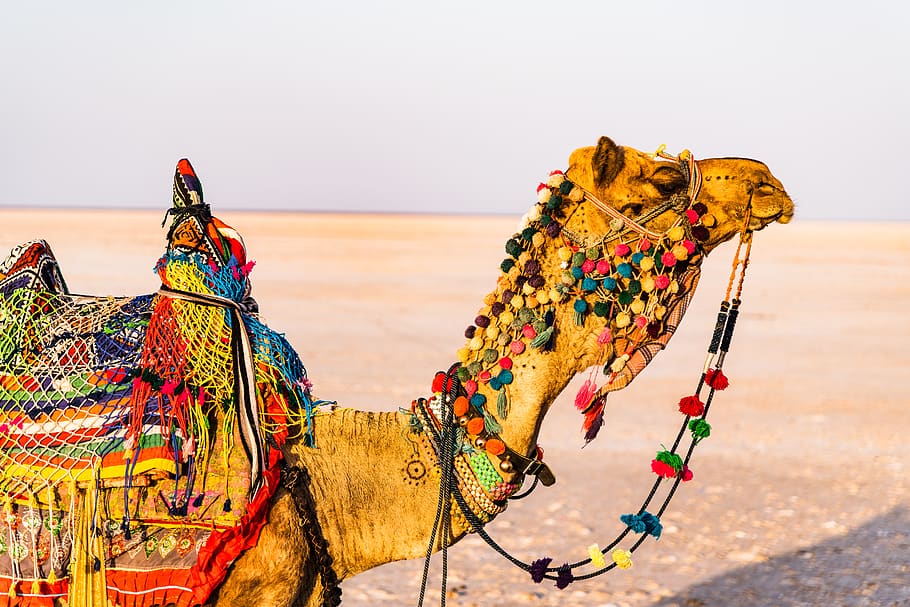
(691, 406)
(594, 419)
(438, 382)
(716, 379)
(585, 394)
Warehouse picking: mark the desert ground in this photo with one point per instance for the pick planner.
(801, 495)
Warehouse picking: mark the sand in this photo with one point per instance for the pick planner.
(800, 495)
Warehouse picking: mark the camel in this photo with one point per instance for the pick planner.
(375, 495)
(361, 489)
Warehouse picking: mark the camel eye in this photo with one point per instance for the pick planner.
(668, 180)
(766, 189)
(635, 209)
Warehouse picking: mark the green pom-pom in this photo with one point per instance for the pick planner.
(526, 315)
(513, 247)
(700, 429)
(671, 459)
(625, 298)
(539, 326)
(601, 308)
(554, 201)
(490, 355)
(463, 374)
(506, 265)
(593, 254)
(565, 187)
(545, 220)
(528, 233)
(474, 368)
(634, 287)
(578, 259)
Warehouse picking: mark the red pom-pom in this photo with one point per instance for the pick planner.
(438, 382)
(662, 469)
(716, 379)
(691, 406)
(685, 474)
(505, 363)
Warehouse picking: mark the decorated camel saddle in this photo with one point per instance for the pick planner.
(139, 436)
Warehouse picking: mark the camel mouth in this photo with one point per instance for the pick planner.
(758, 222)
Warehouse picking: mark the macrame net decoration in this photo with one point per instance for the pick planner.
(133, 469)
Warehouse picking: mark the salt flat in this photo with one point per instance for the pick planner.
(800, 495)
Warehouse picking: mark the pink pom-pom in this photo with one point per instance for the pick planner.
(668, 259)
(517, 347)
(603, 267)
(505, 363)
(484, 376)
(528, 331)
(556, 172)
(588, 266)
(692, 216)
(585, 394)
(662, 281)
(470, 387)
(644, 244)
(685, 474)
(690, 246)
(641, 322)
(604, 338)
(622, 250)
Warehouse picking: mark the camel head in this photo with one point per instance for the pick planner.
(654, 192)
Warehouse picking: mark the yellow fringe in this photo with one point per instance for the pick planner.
(88, 588)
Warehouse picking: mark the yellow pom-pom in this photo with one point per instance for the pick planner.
(506, 318)
(492, 332)
(577, 194)
(527, 289)
(680, 252)
(478, 332)
(637, 307)
(647, 284)
(543, 297)
(489, 299)
(564, 253)
(647, 263)
(674, 287)
(622, 320)
(463, 354)
(619, 364)
(523, 258)
(555, 296)
(531, 301)
(476, 343)
(597, 557)
(708, 220)
(676, 233)
(518, 302)
(622, 558)
(537, 240)
(660, 312)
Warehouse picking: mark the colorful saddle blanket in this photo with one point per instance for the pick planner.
(133, 469)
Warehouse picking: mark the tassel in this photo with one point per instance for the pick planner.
(490, 424)
(12, 590)
(594, 418)
(585, 394)
(36, 587)
(564, 577)
(198, 501)
(502, 404)
(52, 577)
(597, 557)
(542, 339)
(716, 379)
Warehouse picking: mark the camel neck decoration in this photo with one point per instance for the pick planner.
(597, 277)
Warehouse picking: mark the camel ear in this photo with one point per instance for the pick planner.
(607, 162)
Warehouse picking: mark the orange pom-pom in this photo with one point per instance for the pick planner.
(460, 406)
(494, 446)
(475, 426)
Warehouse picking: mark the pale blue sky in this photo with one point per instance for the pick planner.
(462, 107)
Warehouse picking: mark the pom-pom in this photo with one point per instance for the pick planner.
(597, 557)
(689, 246)
(527, 234)
(622, 320)
(517, 347)
(537, 281)
(506, 265)
(482, 321)
(602, 266)
(668, 259)
(460, 406)
(699, 208)
(554, 201)
(494, 446)
(564, 577)
(644, 244)
(691, 406)
(601, 309)
(700, 233)
(484, 376)
(609, 283)
(470, 387)
(654, 329)
(538, 569)
(637, 257)
(505, 377)
(541, 187)
(662, 281)
(529, 332)
(532, 267)
(622, 558)
(588, 284)
(624, 298)
(438, 382)
(685, 474)
(475, 426)
(692, 216)
(676, 233)
(580, 306)
(588, 266)
(641, 322)
(505, 363)
(553, 230)
(513, 247)
(470, 331)
(634, 522)
(662, 469)
(566, 187)
(700, 429)
(716, 379)
(624, 270)
(621, 250)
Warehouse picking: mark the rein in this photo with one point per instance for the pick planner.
(669, 463)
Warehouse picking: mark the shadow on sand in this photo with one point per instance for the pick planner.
(867, 567)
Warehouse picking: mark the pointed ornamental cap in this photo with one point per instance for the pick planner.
(187, 188)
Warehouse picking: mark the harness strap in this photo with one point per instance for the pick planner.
(244, 378)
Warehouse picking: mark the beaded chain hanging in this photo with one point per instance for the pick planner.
(640, 282)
